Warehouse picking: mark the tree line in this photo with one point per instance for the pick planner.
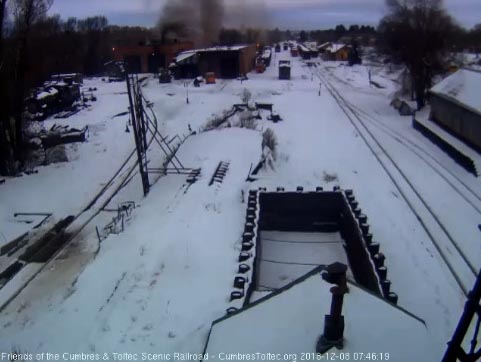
(33, 46)
(228, 36)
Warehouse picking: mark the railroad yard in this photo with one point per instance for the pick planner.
(139, 273)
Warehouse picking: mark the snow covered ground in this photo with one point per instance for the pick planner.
(446, 187)
(65, 188)
(158, 285)
(287, 256)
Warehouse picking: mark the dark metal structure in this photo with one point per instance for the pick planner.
(333, 335)
(144, 124)
(472, 309)
(139, 128)
(285, 69)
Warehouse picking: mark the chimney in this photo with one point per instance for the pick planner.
(333, 335)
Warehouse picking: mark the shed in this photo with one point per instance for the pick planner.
(304, 52)
(336, 51)
(186, 65)
(290, 321)
(225, 61)
(322, 48)
(456, 105)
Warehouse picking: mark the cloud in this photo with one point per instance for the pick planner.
(84, 8)
(300, 14)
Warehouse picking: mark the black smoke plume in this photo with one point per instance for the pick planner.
(198, 20)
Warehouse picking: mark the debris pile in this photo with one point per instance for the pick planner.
(402, 107)
(60, 94)
(48, 146)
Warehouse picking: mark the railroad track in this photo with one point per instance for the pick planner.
(121, 177)
(436, 165)
(458, 263)
(456, 183)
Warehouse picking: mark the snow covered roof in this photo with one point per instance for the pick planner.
(65, 75)
(55, 83)
(189, 53)
(462, 88)
(324, 45)
(46, 93)
(335, 47)
(303, 48)
(371, 324)
(185, 55)
(224, 48)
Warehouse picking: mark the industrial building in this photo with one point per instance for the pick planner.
(456, 106)
(149, 58)
(224, 61)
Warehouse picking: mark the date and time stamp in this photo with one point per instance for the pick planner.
(303, 357)
(344, 356)
(184, 357)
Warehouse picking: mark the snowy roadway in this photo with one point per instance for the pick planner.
(157, 286)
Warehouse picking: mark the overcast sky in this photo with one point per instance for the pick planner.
(293, 14)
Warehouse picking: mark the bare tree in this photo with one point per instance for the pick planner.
(94, 28)
(26, 13)
(475, 37)
(3, 6)
(6, 157)
(416, 32)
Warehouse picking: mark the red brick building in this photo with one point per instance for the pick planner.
(149, 58)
